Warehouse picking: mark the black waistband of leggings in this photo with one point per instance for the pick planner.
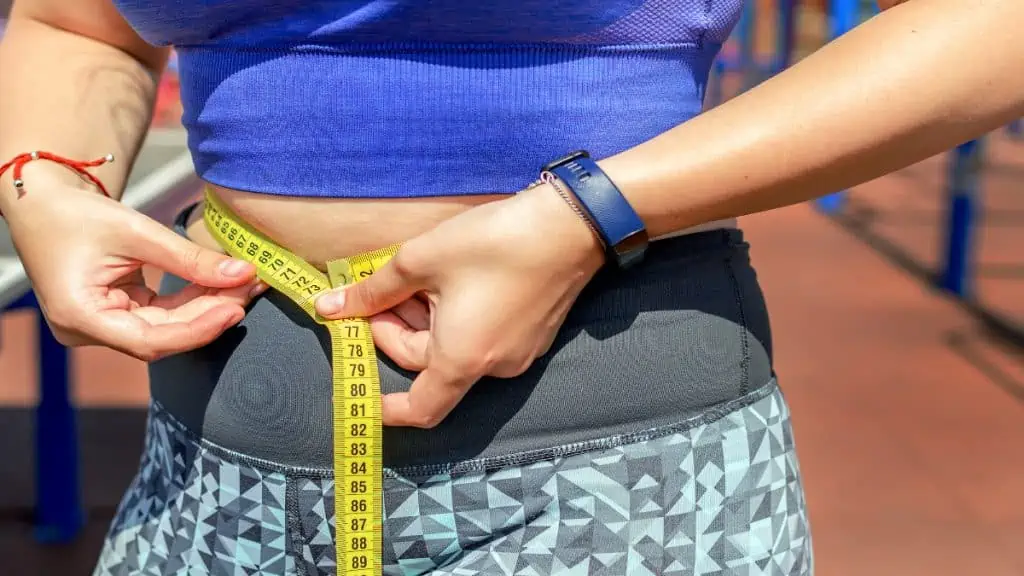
(679, 335)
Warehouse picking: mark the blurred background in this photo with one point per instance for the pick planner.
(898, 315)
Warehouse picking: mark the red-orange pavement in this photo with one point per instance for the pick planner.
(908, 211)
(913, 458)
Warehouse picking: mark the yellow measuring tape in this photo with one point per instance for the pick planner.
(358, 467)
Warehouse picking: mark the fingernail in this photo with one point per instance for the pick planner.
(232, 267)
(330, 303)
(258, 289)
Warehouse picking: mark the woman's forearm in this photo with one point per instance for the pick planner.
(910, 83)
(73, 96)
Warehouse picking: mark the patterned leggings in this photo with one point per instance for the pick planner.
(718, 495)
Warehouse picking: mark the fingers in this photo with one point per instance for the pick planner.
(414, 312)
(181, 257)
(192, 293)
(152, 327)
(396, 281)
(433, 395)
(194, 301)
(132, 334)
(406, 346)
(204, 328)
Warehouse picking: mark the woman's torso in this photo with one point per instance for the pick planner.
(339, 126)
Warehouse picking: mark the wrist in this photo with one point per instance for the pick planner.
(602, 204)
(569, 229)
(42, 182)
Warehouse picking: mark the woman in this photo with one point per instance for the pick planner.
(553, 406)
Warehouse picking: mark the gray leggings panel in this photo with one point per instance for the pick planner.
(674, 337)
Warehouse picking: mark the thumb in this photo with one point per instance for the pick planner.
(173, 253)
(386, 288)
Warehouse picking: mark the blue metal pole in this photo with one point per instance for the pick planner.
(59, 511)
(964, 176)
(844, 17)
(845, 14)
(786, 37)
(745, 27)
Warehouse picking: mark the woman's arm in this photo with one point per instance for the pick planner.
(909, 83)
(76, 81)
(501, 277)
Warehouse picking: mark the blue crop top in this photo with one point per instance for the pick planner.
(402, 98)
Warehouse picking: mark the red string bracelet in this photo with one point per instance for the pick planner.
(20, 160)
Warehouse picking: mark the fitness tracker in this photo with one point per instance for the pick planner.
(610, 214)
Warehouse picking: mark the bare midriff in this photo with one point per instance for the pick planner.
(323, 229)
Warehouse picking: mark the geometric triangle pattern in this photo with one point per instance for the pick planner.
(192, 510)
(716, 496)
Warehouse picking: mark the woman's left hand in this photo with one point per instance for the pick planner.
(499, 280)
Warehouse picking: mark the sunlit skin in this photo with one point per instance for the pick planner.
(497, 274)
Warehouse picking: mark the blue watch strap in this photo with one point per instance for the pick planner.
(620, 228)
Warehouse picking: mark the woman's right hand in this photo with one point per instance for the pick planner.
(84, 255)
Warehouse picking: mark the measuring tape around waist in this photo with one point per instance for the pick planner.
(358, 448)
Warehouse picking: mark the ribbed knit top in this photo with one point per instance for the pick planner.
(403, 98)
